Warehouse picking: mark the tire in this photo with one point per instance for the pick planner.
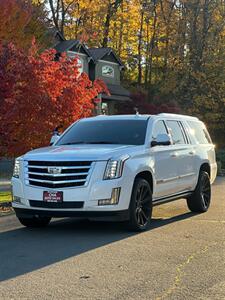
(200, 200)
(35, 222)
(140, 209)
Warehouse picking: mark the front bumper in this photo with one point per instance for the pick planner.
(101, 215)
(96, 189)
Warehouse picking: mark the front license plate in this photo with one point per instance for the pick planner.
(53, 196)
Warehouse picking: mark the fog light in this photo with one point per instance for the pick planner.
(114, 198)
(16, 199)
(104, 202)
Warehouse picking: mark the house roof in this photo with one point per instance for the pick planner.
(99, 53)
(118, 90)
(66, 45)
(116, 98)
(94, 53)
(54, 32)
(117, 93)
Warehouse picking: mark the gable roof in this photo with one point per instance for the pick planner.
(94, 53)
(100, 53)
(67, 45)
(54, 32)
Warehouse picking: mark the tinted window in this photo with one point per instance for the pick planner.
(159, 128)
(176, 132)
(200, 132)
(125, 132)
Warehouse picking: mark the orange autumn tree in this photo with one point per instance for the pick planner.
(38, 93)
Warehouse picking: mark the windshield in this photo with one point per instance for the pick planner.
(125, 132)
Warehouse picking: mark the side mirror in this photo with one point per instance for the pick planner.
(54, 139)
(161, 140)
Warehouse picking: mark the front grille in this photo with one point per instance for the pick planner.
(57, 174)
(70, 204)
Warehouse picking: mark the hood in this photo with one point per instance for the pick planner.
(79, 152)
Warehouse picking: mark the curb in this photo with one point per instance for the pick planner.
(5, 182)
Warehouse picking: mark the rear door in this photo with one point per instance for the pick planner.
(183, 155)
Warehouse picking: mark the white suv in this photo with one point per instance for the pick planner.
(116, 168)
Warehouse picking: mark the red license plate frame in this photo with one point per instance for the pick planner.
(53, 196)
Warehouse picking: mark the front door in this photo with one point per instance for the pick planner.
(165, 164)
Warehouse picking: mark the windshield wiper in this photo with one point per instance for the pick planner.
(73, 143)
(104, 142)
(89, 143)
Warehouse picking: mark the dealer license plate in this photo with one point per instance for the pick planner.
(49, 196)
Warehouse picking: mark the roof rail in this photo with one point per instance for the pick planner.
(177, 116)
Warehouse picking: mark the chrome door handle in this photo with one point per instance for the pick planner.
(174, 155)
(191, 152)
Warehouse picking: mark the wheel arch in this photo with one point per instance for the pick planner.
(147, 175)
(206, 168)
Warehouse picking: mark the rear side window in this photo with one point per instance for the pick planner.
(199, 131)
(176, 132)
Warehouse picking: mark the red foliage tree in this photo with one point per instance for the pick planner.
(20, 21)
(140, 101)
(37, 93)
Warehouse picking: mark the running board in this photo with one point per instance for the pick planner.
(170, 198)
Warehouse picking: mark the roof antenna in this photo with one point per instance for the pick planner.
(136, 111)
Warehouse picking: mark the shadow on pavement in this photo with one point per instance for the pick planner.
(25, 250)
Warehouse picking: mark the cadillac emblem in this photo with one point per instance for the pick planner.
(54, 170)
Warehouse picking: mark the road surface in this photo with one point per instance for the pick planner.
(181, 257)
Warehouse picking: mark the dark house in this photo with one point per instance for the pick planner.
(100, 63)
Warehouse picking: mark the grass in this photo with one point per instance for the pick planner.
(5, 197)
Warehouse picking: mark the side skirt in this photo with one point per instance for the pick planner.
(170, 198)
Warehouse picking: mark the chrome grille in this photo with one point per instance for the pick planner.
(57, 174)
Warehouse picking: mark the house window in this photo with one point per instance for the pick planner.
(80, 63)
(108, 71)
(80, 60)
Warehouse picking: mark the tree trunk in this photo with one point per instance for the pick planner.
(152, 45)
(112, 9)
(106, 27)
(139, 49)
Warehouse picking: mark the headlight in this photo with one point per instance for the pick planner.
(16, 170)
(114, 168)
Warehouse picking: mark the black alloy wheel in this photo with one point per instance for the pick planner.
(140, 205)
(200, 200)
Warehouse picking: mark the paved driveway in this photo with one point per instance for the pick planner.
(181, 257)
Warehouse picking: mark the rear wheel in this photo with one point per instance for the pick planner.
(140, 209)
(35, 222)
(200, 200)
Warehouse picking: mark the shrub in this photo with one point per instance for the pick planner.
(220, 157)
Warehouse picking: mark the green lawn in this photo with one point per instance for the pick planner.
(5, 196)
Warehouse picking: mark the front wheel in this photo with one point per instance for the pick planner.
(35, 222)
(200, 200)
(140, 209)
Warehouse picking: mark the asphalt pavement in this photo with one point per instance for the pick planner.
(182, 256)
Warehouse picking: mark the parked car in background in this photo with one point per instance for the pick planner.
(116, 168)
